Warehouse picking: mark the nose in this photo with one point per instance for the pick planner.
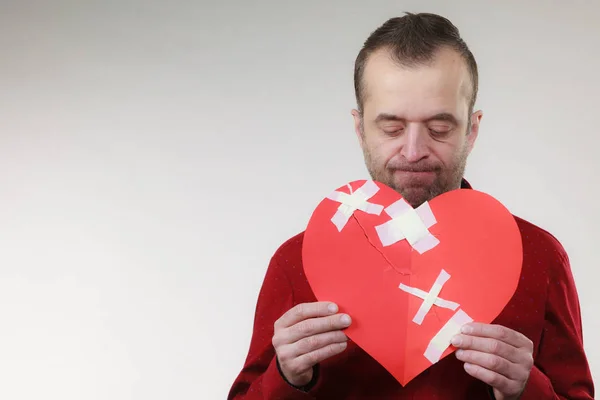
(415, 146)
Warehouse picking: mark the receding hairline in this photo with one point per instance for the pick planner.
(468, 88)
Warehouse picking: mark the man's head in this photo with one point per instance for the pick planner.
(416, 84)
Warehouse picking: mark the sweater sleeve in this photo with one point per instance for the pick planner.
(561, 369)
(260, 377)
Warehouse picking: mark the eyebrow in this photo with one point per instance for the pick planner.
(447, 117)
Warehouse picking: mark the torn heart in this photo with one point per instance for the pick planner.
(409, 278)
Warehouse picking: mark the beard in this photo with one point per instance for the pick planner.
(417, 188)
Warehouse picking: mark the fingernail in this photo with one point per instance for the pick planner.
(456, 341)
(459, 353)
(332, 308)
(466, 329)
(343, 345)
(345, 320)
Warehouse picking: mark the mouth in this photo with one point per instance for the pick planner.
(412, 177)
(414, 173)
(428, 172)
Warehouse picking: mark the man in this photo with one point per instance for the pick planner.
(416, 85)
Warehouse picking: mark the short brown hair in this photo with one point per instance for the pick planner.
(413, 40)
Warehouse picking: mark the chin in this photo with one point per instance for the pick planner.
(415, 195)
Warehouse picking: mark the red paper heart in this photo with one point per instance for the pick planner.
(479, 246)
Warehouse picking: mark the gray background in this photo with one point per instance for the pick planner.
(153, 156)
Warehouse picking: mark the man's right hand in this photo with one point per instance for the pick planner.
(306, 335)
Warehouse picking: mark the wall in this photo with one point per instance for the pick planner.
(153, 155)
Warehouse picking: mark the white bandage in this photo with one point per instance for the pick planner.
(354, 201)
(410, 224)
(440, 342)
(431, 298)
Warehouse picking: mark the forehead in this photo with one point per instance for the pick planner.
(442, 85)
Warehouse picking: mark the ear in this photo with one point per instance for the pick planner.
(474, 129)
(358, 119)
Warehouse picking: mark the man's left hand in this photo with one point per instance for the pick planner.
(496, 355)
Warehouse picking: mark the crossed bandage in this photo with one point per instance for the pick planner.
(441, 340)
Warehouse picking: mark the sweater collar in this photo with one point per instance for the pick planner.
(465, 185)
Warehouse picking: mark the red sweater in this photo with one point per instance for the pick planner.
(545, 308)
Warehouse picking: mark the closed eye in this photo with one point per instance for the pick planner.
(440, 131)
(393, 132)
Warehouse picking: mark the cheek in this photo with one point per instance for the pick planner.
(382, 151)
(450, 154)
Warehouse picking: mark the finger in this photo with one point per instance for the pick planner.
(308, 360)
(315, 342)
(492, 362)
(309, 344)
(314, 326)
(498, 332)
(497, 381)
(489, 346)
(304, 311)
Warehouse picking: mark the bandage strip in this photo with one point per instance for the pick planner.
(441, 341)
(354, 201)
(431, 298)
(410, 224)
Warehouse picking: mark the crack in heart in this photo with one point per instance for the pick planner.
(375, 247)
(434, 312)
